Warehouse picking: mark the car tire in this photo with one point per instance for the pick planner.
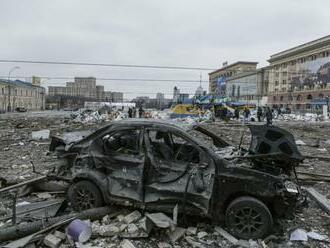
(248, 218)
(84, 195)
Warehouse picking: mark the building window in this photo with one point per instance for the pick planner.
(277, 74)
(2, 91)
(299, 98)
(284, 81)
(309, 97)
(276, 83)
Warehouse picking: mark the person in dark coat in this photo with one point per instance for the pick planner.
(259, 113)
(236, 113)
(130, 113)
(269, 116)
(141, 111)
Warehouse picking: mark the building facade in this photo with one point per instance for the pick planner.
(218, 78)
(241, 82)
(300, 76)
(16, 93)
(249, 87)
(85, 87)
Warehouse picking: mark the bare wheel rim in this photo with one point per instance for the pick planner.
(85, 198)
(247, 221)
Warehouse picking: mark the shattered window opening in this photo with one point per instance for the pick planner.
(125, 142)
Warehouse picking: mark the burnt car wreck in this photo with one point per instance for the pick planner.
(155, 165)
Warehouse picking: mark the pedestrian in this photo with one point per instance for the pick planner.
(236, 113)
(259, 113)
(141, 112)
(269, 116)
(246, 114)
(130, 113)
(134, 112)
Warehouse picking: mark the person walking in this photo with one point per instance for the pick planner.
(269, 117)
(130, 113)
(259, 113)
(246, 114)
(141, 112)
(236, 113)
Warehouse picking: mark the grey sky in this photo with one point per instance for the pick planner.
(194, 33)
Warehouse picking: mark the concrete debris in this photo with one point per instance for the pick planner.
(194, 243)
(164, 245)
(299, 235)
(300, 143)
(132, 217)
(60, 235)
(41, 135)
(202, 235)
(191, 230)
(226, 235)
(317, 236)
(132, 228)
(177, 234)
(161, 220)
(126, 244)
(52, 241)
(108, 230)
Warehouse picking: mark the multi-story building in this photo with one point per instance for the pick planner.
(82, 86)
(117, 96)
(249, 87)
(300, 76)
(240, 81)
(16, 93)
(85, 88)
(218, 78)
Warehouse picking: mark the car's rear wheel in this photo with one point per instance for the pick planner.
(84, 195)
(248, 218)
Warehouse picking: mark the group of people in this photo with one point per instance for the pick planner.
(132, 112)
(262, 113)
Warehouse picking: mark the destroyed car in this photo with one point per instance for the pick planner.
(156, 165)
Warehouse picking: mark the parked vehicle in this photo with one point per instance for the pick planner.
(155, 165)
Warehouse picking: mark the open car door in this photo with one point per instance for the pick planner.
(121, 155)
(178, 172)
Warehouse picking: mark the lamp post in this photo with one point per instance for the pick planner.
(9, 89)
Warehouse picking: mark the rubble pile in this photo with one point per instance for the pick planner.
(307, 117)
(98, 116)
(24, 152)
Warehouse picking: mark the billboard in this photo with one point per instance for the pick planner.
(311, 74)
(221, 86)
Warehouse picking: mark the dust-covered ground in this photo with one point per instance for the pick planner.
(18, 151)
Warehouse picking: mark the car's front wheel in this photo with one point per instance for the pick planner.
(248, 218)
(84, 195)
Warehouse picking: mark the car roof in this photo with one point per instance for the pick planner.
(150, 122)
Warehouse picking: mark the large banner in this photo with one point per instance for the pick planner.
(310, 74)
(221, 87)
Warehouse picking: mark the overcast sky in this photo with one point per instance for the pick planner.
(195, 33)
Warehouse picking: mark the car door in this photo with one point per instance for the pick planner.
(123, 160)
(178, 172)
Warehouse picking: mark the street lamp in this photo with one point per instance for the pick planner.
(9, 93)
